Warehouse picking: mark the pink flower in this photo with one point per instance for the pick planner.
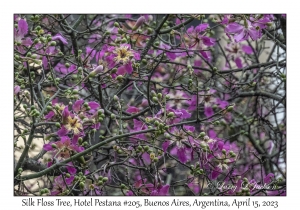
(269, 178)
(180, 149)
(22, 30)
(162, 190)
(243, 32)
(63, 148)
(16, 89)
(19, 35)
(63, 70)
(235, 52)
(196, 37)
(59, 185)
(138, 126)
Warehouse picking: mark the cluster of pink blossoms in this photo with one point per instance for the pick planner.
(143, 105)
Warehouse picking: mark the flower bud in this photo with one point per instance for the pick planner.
(123, 186)
(85, 104)
(67, 65)
(106, 33)
(203, 145)
(232, 154)
(116, 98)
(80, 140)
(217, 123)
(120, 31)
(96, 71)
(202, 134)
(144, 61)
(81, 159)
(49, 108)
(230, 108)
(171, 114)
(116, 24)
(119, 77)
(149, 30)
(42, 191)
(159, 95)
(105, 179)
(81, 185)
(57, 124)
(52, 43)
(139, 22)
(167, 135)
(36, 40)
(155, 99)
(54, 146)
(153, 93)
(113, 116)
(114, 70)
(224, 151)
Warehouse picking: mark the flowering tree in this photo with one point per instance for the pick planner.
(150, 104)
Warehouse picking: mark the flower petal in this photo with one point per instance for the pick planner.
(238, 62)
(77, 105)
(247, 49)
(23, 27)
(201, 27)
(165, 145)
(234, 28)
(62, 132)
(94, 105)
(208, 111)
(132, 109)
(47, 147)
(208, 41)
(181, 154)
(61, 38)
(17, 89)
